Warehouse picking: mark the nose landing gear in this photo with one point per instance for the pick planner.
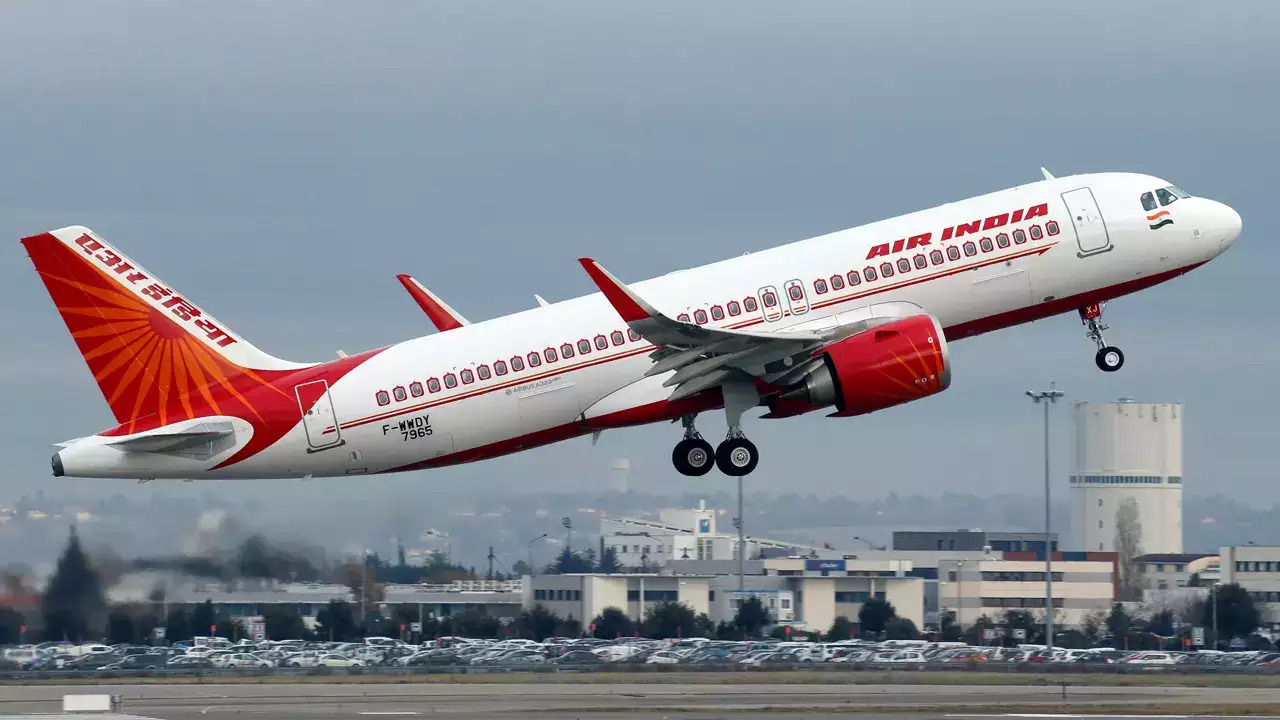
(1109, 358)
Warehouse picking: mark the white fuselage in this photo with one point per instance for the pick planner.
(439, 399)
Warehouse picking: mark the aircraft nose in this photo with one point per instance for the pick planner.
(1224, 223)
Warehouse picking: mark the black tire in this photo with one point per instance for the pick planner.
(737, 456)
(693, 457)
(1109, 359)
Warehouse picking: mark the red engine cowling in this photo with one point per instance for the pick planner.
(888, 365)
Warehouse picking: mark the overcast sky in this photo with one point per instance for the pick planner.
(281, 162)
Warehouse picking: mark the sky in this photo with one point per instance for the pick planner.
(280, 162)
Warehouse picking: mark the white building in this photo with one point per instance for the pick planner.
(973, 588)
(1126, 451)
(1255, 568)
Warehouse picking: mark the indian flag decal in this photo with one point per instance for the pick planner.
(1159, 220)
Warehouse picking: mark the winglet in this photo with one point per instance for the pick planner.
(442, 316)
(628, 304)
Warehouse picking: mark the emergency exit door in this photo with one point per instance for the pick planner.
(1091, 229)
(318, 416)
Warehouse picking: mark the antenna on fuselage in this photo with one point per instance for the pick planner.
(1047, 175)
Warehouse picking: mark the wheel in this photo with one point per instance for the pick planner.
(693, 457)
(737, 456)
(1109, 359)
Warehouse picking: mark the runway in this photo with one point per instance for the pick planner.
(626, 701)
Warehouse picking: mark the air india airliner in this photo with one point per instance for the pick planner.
(848, 323)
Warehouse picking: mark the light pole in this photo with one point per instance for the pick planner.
(568, 539)
(532, 571)
(742, 546)
(1213, 604)
(870, 544)
(1047, 398)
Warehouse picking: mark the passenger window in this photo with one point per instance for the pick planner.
(886, 270)
(450, 380)
(1019, 236)
(855, 278)
(617, 337)
(700, 317)
(534, 359)
(398, 393)
(602, 344)
(584, 347)
(795, 292)
(970, 249)
(433, 385)
(717, 313)
(750, 304)
(904, 265)
(1148, 201)
(869, 273)
(682, 317)
(550, 355)
(837, 282)
(482, 372)
(1002, 240)
(820, 286)
(1036, 232)
(415, 389)
(633, 336)
(1051, 227)
(986, 245)
(1165, 196)
(953, 252)
(517, 364)
(920, 261)
(566, 351)
(734, 309)
(499, 367)
(383, 397)
(468, 377)
(770, 300)
(935, 257)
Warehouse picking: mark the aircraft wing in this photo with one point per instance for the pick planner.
(705, 357)
(442, 316)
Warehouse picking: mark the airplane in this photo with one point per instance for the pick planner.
(850, 323)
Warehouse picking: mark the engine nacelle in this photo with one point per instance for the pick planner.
(890, 364)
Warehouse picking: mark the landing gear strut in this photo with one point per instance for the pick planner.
(1109, 357)
(692, 456)
(736, 455)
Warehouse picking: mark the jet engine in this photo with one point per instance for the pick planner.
(890, 364)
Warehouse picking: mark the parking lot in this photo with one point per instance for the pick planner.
(387, 656)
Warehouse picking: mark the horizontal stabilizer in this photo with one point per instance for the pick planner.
(168, 442)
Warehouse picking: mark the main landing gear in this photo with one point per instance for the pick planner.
(1109, 357)
(736, 455)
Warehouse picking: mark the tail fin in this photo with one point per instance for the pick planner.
(150, 349)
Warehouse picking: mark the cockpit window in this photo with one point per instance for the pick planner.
(1148, 201)
(1165, 196)
(1178, 191)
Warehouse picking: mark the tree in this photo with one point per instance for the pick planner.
(841, 629)
(751, 617)
(569, 627)
(899, 628)
(537, 623)
(203, 618)
(11, 623)
(1129, 548)
(949, 630)
(668, 620)
(703, 627)
(875, 614)
(1161, 623)
(1071, 639)
(609, 561)
(120, 628)
(1092, 627)
(975, 634)
(1238, 617)
(570, 562)
(177, 627)
(612, 623)
(337, 622)
(521, 568)
(282, 622)
(1025, 621)
(74, 606)
(1195, 580)
(1119, 621)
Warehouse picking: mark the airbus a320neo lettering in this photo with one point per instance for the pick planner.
(847, 323)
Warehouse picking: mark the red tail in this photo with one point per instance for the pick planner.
(153, 353)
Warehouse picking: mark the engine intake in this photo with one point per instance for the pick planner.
(890, 364)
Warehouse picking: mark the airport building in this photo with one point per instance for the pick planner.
(1255, 568)
(1083, 583)
(1166, 571)
(1128, 477)
(972, 540)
